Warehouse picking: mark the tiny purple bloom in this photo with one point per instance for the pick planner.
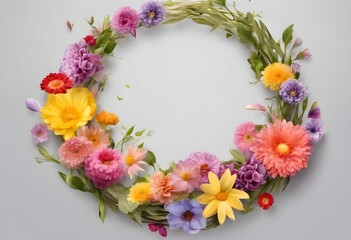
(292, 91)
(79, 64)
(152, 13)
(40, 133)
(206, 163)
(251, 175)
(315, 128)
(295, 67)
(314, 113)
(125, 20)
(186, 214)
(33, 105)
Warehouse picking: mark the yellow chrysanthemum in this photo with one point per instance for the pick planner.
(275, 74)
(107, 118)
(65, 113)
(140, 193)
(220, 196)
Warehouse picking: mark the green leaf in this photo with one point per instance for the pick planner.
(245, 36)
(103, 39)
(48, 157)
(288, 34)
(304, 105)
(106, 23)
(257, 64)
(139, 133)
(259, 127)
(119, 98)
(102, 209)
(120, 193)
(228, 35)
(135, 216)
(91, 21)
(150, 158)
(76, 183)
(110, 46)
(238, 156)
(141, 145)
(129, 131)
(63, 176)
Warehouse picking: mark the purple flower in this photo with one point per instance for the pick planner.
(206, 163)
(125, 20)
(251, 175)
(152, 13)
(315, 113)
(315, 128)
(295, 67)
(33, 105)
(79, 64)
(40, 133)
(186, 214)
(224, 167)
(292, 91)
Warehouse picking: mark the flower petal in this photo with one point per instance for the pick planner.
(229, 211)
(221, 212)
(226, 181)
(214, 182)
(176, 209)
(207, 188)
(235, 203)
(210, 209)
(205, 198)
(239, 194)
(174, 221)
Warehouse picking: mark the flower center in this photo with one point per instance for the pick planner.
(222, 196)
(265, 200)
(151, 15)
(69, 114)
(93, 139)
(188, 216)
(248, 137)
(293, 93)
(283, 148)
(130, 160)
(55, 84)
(186, 176)
(204, 168)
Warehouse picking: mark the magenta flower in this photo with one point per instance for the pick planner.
(40, 133)
(103, 167)
(158, 227)
(33, 105)
(125, 20)
(244, 136)
(186, 176)
(206, 162)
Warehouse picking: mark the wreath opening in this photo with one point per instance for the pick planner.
(200, 191)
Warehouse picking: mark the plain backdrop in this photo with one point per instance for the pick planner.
(189, 86)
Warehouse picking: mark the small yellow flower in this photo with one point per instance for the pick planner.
(107, 118)
(275, 74)
(140, 193)
(220, 197)
(65, 113)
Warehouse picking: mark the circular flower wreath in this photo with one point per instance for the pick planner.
(200, 191)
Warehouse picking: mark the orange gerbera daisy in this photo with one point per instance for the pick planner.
(275, 74)
(56, 83)
(282, 148)
(107, 118)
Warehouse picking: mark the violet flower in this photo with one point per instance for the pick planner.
(292, 91)
(314, 113)
(33, 105)
(40, 133)
(152, 13)
(79, 64)
(315, 128)
(295, 67)
(186, 214)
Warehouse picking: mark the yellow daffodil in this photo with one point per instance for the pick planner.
(65, 113)
(220, 196)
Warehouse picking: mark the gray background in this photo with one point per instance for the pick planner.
(190, 87)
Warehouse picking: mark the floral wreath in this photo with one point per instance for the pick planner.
(201, 191)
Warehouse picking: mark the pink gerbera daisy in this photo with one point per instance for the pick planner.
(74, 151)
(132, 159)
(186, 176)
(206, 162)
(98, 136)
(244, 135)
(282, 148)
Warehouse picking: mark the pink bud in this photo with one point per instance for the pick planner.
(255, 106)
(297, 42)
(306, 53)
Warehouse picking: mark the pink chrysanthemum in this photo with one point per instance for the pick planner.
(98, 136)
(186, 176)
(132, 159)
(282, 148)
(244, 135)
(206, 162)
(163, 188)
(74, 151)
(125, 20)
(103, 167)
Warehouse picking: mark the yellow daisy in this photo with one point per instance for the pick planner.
(65, 113)
(140, 193)
(275, 74)
(220, 197)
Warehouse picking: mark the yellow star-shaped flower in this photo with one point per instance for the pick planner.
(220, 197)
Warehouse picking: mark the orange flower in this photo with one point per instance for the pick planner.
(107, 118)
(162, 188)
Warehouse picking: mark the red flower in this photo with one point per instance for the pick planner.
(158, 227)
(265, 200)
(90, 40)
(56, 83)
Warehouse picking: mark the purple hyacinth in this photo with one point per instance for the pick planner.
(152, 13)
(186, 214)
(251, 175)
(292, 91)
(79, 64)
(315, 128)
